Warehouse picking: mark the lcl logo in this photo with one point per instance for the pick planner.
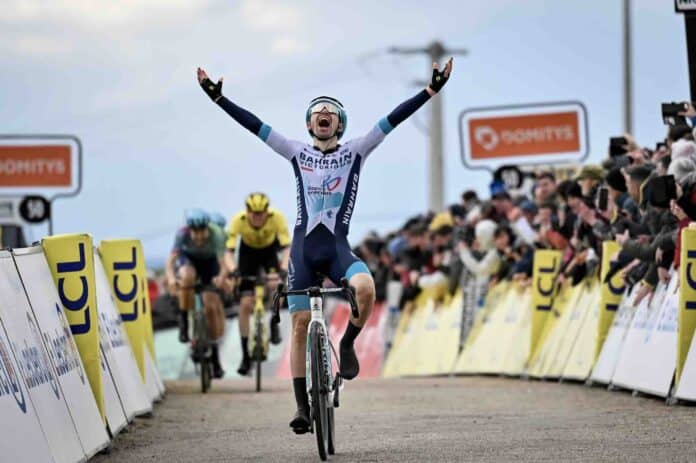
(127, 295)
(616, 291)
(546, 284)
(80, 303)
(690, 256)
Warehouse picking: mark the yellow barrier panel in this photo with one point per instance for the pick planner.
(545, 269)
(581, 359)
(503, 330)
(407, 340)
(71, 261)
(567, 331)
(395, 354)
(687, 297)
(147, 304)
(611, 294)
(518, 351)
(120, 259)
(483, 354)
(470, 355)
(440, 343)
(546, 344)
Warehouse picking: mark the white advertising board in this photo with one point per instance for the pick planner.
(43, 296)
(35, 365)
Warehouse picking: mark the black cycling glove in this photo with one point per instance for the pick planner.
(213, 90)
(439, 80)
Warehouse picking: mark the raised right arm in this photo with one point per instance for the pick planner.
(245, 118)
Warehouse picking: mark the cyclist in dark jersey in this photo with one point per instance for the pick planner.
(326, 177)
(197, 256)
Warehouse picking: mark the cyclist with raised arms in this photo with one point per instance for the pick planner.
(254, 239)
(197, 256)
(326, 177)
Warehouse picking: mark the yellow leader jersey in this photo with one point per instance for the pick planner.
(276, 227)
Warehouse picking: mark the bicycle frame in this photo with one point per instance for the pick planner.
(258, 318)
(317, 311)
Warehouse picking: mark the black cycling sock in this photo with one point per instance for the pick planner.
(245, 347)
(349, 336)
(215, 353)
(300, 387)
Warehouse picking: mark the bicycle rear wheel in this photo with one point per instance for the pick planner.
(319, 392)
(258, 352)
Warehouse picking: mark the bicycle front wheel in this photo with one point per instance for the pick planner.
(332, 431)
(205, 375)
(319, 393)
(258, 352)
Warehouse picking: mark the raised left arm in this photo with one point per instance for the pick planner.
(402, 112)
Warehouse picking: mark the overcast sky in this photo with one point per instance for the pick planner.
(120, 75)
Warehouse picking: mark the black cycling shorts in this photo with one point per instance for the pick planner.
(254, 261)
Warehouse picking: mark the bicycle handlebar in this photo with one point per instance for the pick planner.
(257, 279)
(315, 291)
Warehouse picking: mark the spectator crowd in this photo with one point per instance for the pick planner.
(640, 197)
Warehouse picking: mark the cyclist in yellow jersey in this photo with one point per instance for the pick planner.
(256, 237)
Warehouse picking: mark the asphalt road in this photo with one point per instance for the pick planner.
(414, 420)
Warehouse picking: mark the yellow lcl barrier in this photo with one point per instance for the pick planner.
(687, 297)
(71, 260)
(147, 303)
(547, 264)
(121, 264)
(610, 297)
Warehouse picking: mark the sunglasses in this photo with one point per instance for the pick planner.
(324, 106)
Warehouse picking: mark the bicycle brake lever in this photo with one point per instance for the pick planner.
(276, 302)
(349, 291)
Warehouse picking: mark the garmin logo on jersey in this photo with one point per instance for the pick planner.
(9, 380)
(310, 162)
(351, 200)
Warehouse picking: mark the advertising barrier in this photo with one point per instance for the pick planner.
(544, 272)
(648, 357)
(113, 409)
(611, 349)
(152, 377)
(687, 296)
(21, 438)
(484, 322)
(686, 389)
(53, 323)
(548, 339)
(124, 368)
(612, 292)
(72, 266)
(121, 265)
(579, 363)
(41, 378)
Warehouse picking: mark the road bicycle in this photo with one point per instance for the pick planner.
(322, 386)
(259, 336)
